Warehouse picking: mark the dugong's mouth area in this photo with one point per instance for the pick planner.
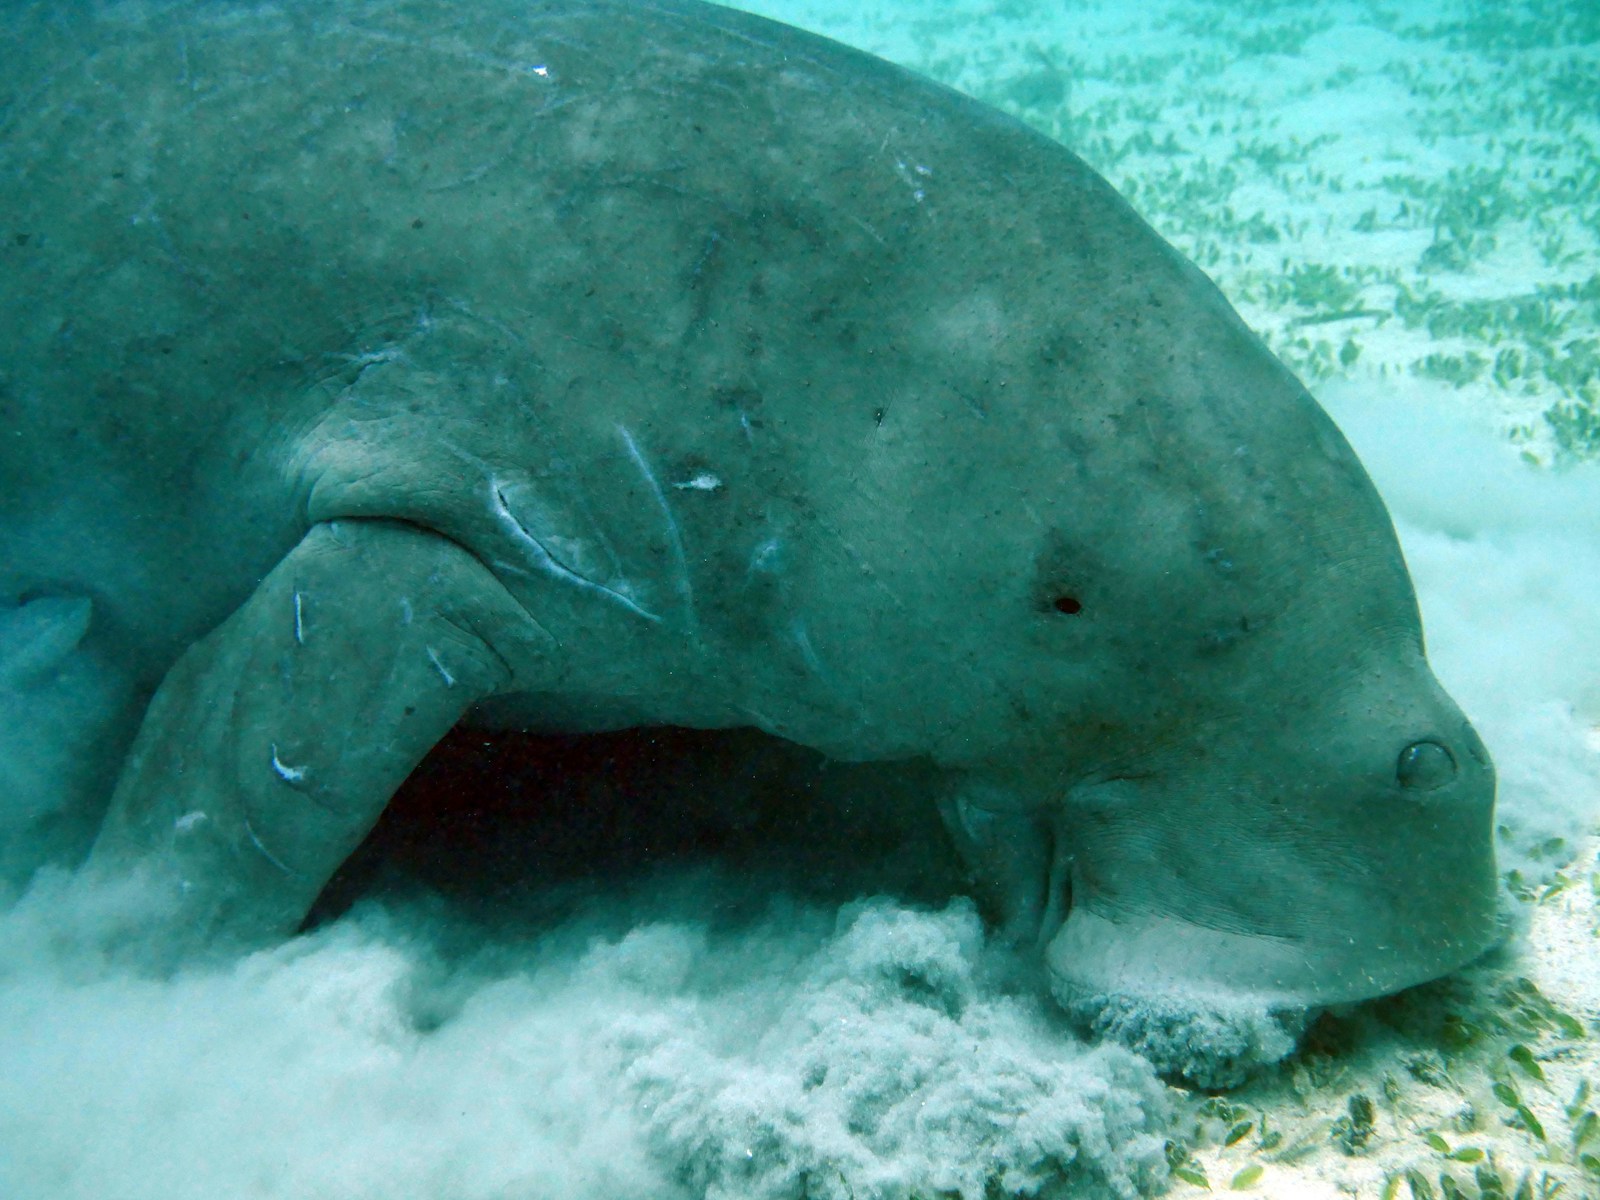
(491, 818)
(1166, 986)
(1151, 954)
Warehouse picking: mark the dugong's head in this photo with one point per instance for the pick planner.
(1211, 711)
(1203, 758)
(1238, 782)
(1204, 763)
(1324, 836)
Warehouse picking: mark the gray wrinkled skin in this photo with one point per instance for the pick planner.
(373, 365)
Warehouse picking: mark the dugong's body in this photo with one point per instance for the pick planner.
(373, 366)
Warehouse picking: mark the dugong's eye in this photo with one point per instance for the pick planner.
(1070, 605)
(1425, 766)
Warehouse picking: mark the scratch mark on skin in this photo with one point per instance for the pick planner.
(265, 853)
(406, 615)
(299, 621)
(861, 562)
(290, 775)
(548, 563)
(837, 695)
(685, 588)
(808, 652)
(449, 679)
(468, 178)
(190, 821)
(532, 69)
(869, 231)
(763, 722)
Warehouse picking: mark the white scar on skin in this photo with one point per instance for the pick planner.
(449, 679)
(299, 621)
(548, 563)
(285, 772)
(705, 481)
(265, 853)
(189, 821)
(838, 695)
(808, 652)
(674, 540)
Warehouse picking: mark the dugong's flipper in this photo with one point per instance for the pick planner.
(273, 744)
(64, 712)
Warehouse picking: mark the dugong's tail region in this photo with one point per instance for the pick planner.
(778, 457)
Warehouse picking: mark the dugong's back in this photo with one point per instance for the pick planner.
(216, 215)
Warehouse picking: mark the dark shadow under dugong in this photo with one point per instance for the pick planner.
(374, 366)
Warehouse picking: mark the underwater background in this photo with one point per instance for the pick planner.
(1404, 200)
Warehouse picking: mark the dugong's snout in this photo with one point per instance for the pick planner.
(1281, 892)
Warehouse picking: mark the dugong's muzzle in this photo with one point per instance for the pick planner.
(1279, 895)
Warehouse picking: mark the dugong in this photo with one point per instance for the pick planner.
(373, 366)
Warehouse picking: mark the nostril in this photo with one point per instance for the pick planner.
(1425, 766)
